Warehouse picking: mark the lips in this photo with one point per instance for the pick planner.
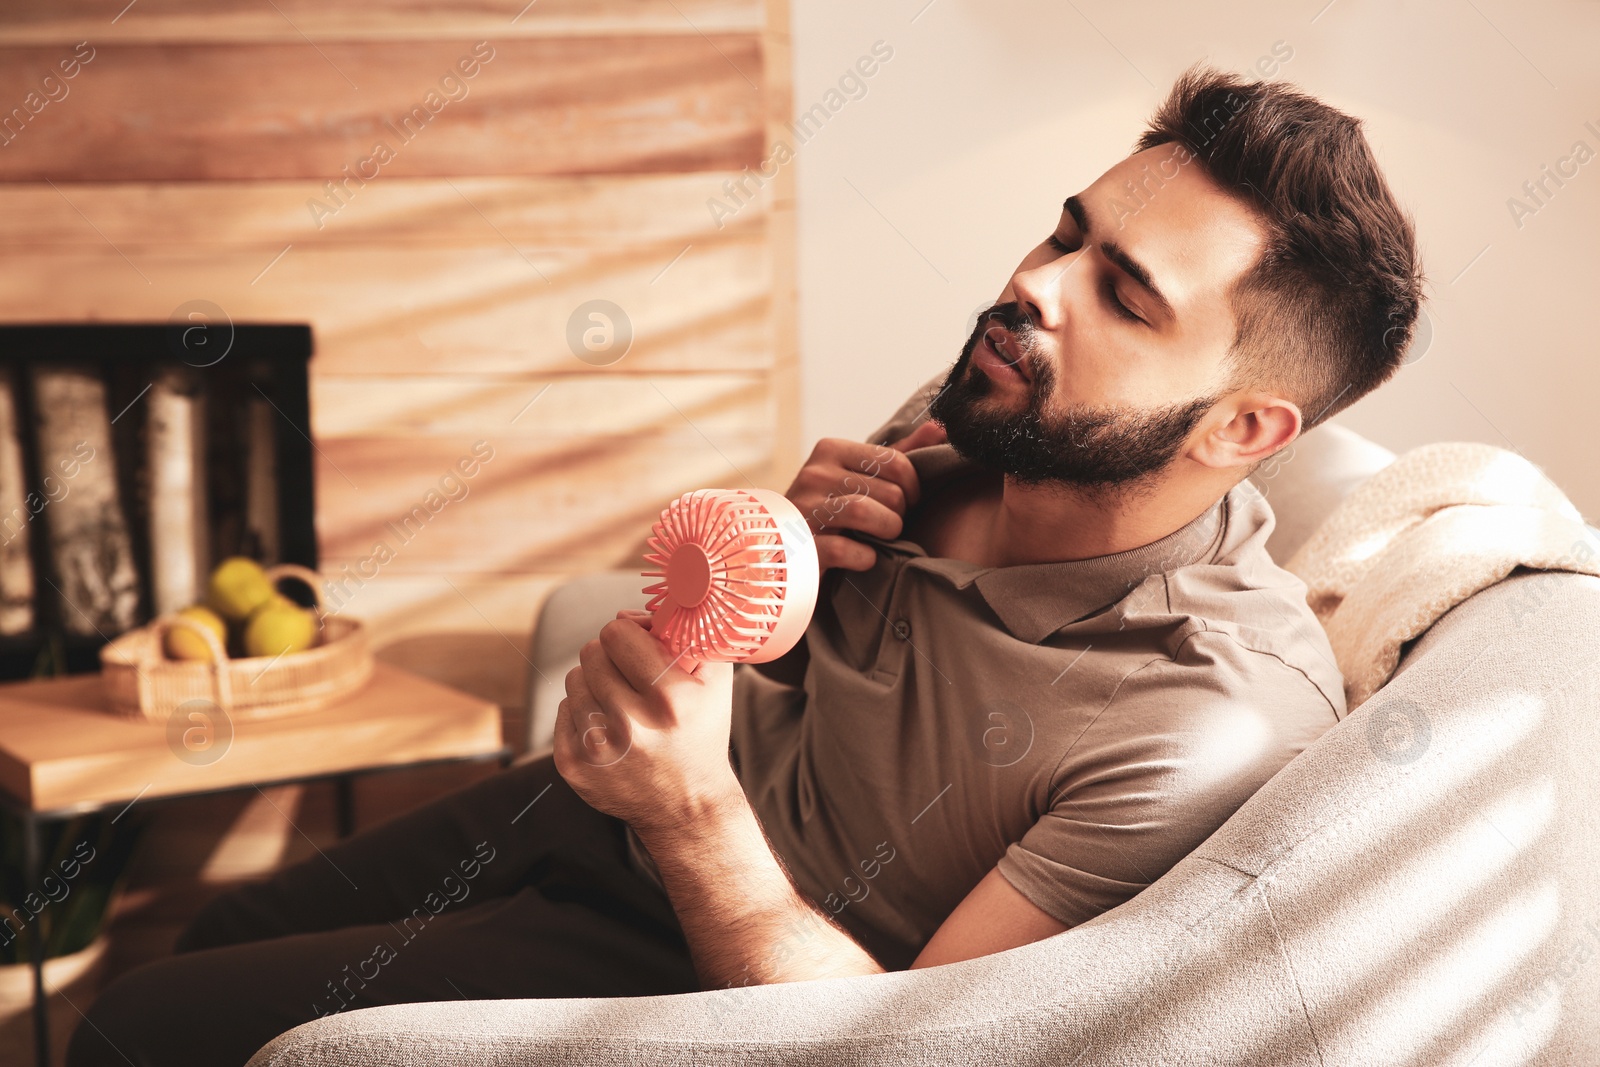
(999, 341)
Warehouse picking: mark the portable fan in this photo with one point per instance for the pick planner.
(738, 576)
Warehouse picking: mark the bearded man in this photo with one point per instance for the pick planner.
(1051, 654)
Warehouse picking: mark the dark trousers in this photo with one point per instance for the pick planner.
(476, 896)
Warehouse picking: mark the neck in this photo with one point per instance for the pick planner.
(1050, 524)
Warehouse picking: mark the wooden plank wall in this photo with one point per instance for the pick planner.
(189, 157)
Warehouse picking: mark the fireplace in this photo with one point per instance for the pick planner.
(132, 458)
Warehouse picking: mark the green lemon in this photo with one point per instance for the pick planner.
(279, 626)
(181, 642)
(238, 587)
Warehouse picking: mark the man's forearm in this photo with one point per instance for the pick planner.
(744, 921)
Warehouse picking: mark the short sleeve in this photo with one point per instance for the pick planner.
(1181, 745)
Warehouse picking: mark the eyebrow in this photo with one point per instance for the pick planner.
(1118, 255)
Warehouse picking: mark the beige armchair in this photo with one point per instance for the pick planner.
(1417, 887)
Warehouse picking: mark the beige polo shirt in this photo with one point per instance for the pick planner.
(1082, 725)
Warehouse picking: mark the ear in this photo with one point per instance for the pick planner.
(1245, 429)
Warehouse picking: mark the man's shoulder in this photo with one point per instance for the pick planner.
(1216, 689)
(1241, 598)
(1260, 610)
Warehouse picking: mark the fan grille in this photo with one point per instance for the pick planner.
(738, 575)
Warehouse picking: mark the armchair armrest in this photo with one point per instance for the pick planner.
(1080, 993)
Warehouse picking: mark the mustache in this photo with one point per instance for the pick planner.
(1023, 335)
(1010, 315)
(1016, 322)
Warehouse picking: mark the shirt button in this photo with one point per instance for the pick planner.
(902, 629)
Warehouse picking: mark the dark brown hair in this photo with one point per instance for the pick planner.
(1326, 314)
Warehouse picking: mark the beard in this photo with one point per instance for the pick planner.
(1098, 450)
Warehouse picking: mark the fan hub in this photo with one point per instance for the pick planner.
(688, 575)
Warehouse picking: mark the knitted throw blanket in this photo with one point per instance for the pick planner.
(1419, 537)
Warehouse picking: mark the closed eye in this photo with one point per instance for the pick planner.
(1117, 306)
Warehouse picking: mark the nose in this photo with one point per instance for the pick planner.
(1037, 291)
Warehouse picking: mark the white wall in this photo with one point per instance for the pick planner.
(916, 200)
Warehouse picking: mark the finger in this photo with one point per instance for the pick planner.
(638, 615)
(570, 714)
(587, 732)
(885, 491)
(829, 507)
(844, 553)
(928, 433)
(597, 737)
(890, 464)
(609, 689)
(563, 725)
(859, 458)
(859, 468)
(861, 513)
(580, 693)
(641, 661)
(560, 737)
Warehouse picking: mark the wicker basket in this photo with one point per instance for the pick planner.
(140, 682)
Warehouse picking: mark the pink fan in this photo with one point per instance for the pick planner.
(738, 570)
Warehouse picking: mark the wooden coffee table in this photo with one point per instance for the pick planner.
(62, 753)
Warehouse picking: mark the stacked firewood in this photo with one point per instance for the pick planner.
(75, 552)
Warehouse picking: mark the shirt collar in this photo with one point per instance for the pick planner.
(1033, 600)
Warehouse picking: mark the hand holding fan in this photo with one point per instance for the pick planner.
(738, 576)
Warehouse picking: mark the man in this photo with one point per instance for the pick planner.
(1050, 656)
